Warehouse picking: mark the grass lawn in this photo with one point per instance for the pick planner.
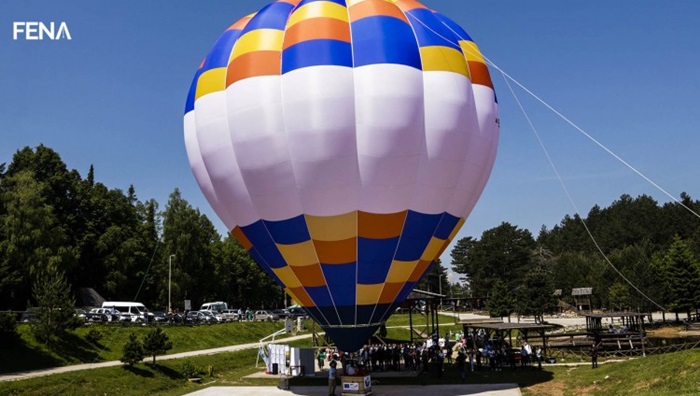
(28, 354)
(661, 375)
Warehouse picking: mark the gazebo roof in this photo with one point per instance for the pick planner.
(511, 326)
(582, 291)
(616, 315)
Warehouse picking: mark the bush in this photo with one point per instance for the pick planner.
(156, 343)
(133, 351)
(189, 370)
(8, 327)
(94, 336)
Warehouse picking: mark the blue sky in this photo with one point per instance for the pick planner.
(625, 71)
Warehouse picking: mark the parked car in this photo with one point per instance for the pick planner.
(281, 313)
(160, 317)
(296, 312)
(216, 306)
(130, 311)
(263, 315)
(103, 315)
(197, 317)
(230, 315)
(193, 317)
(212, 317)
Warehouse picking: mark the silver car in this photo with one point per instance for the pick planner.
(265, 315)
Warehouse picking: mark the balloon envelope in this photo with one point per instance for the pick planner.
(343, 143)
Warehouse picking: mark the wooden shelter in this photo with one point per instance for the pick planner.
(582, 296)
(426, 304)
(630, 332)
(499, 331)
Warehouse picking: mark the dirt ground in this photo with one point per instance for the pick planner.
(551, 388)
(667, 332)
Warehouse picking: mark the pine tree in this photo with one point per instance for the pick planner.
(682, 277)
(500, 302)
(156, 343)
(133, 351)
(535, 295)
(55, 311)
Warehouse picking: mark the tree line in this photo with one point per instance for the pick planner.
(58, 226)
(636, 254)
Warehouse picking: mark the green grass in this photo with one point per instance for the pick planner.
(75, 349)
(28, 354)
(163, 379)
(662, 375)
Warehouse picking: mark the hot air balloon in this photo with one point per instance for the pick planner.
(343, 143)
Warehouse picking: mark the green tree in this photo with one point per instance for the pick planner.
(133, 351)
(155, 343)
(32, 238)
(502, 254)
(460, 255)
(535, 295)
(8, 328)
(55, 310)
(190, 236)
(500, 302)
(682, 277)
(619, 296)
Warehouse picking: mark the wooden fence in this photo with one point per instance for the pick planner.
(584, 354)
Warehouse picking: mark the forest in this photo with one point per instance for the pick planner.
(52, 219)
(635, 254)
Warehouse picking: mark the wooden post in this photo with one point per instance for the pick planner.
(544, 344)
(410, 321)
(644, 354)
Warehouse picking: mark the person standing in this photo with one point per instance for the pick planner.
(321, 358)
(332, 374)
(461, 364)
(594, 355)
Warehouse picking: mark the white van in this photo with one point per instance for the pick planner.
(217, 306)
(130, 311)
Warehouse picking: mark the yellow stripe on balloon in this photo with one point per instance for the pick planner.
(369, 294)
(471, 51)
(332, 228)
(455, 230)
(432, 250)
(299, 254)
(439, 58)
(210, 81)
(287, 276)
(318, 9)
(400, 271)
(258, 40)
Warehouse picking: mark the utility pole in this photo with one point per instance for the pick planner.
(170, 277)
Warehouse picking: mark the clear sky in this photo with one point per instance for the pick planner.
(626, 71)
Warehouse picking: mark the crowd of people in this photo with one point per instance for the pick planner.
(463, 353)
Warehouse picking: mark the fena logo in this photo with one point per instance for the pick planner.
(39, 30)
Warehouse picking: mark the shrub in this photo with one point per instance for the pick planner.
(189, 370)
(94, 336)
(8, 327)
(133, 351)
